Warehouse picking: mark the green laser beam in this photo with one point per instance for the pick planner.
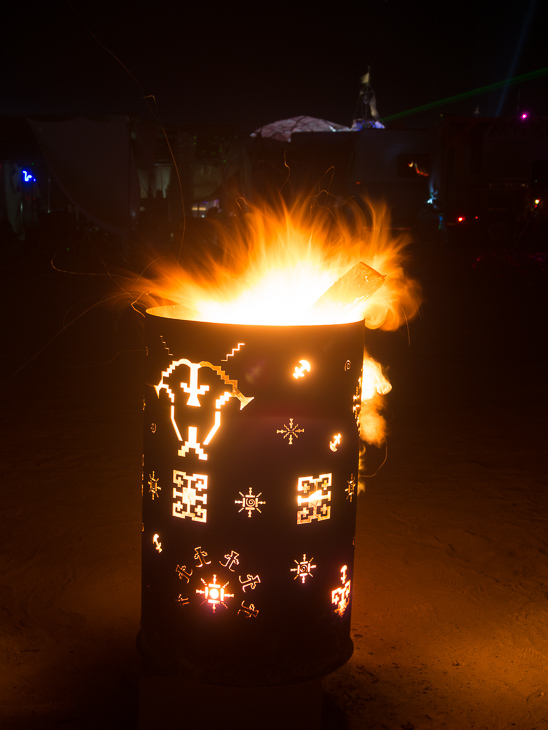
(467, 94)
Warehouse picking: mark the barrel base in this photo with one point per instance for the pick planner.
(173, 703)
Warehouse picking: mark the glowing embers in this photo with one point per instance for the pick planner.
(303, 569)
(214, 593)
(249, 502)
(340, 597)
(190, 495)
(313, 497)
(290, 431)
(195, 391)
(300, 369)
(153, 486)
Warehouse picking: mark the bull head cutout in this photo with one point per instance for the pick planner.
(217, 397)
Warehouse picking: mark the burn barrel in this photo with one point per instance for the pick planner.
(250, 476)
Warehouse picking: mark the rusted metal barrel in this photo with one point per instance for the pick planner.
(249, 499)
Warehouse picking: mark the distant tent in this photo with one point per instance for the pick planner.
(283, 129)
(95, 162)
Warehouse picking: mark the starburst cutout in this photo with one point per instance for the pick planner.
(250, 502)
(214, 593)
(303, 569)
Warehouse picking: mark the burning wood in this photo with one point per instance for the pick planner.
(353, 288)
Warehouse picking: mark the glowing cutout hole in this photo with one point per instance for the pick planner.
(300, 369)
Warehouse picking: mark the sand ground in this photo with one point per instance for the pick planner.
(450, 612)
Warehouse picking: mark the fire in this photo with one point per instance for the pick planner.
(374, 386)
(271, 267)
(373, 380)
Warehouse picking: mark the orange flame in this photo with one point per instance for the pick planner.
(374, 386)
(270, 267)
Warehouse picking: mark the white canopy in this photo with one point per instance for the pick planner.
(283, 129)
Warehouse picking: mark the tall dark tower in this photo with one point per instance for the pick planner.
(366, 114)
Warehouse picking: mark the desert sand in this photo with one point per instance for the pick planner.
(450, 609)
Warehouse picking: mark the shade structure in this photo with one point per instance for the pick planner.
(249, 499)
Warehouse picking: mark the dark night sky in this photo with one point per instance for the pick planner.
(251, 64)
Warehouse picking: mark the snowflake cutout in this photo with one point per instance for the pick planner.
(290, 431)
